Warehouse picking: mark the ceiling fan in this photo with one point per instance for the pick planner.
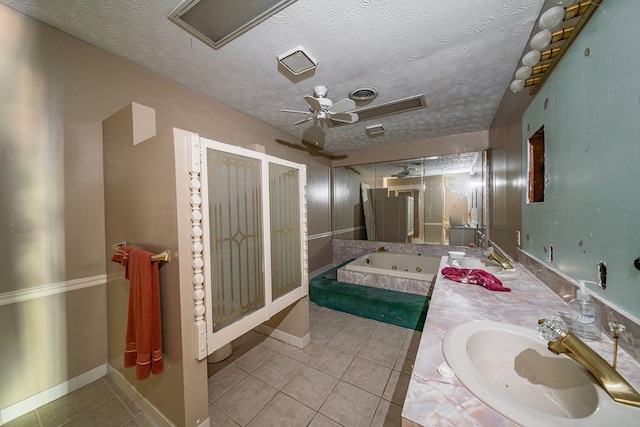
(403, 173)
(312, 149)
(321, 108)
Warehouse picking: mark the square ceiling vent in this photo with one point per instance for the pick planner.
(217, 22)
(297, 61)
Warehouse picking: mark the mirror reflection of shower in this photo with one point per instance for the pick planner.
(435, 200)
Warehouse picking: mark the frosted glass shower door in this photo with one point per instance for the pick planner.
(254, 238)
(285, 233)
(236, 237)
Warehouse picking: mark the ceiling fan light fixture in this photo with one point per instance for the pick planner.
(297, 61)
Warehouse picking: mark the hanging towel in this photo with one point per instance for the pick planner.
(143, 346)
(474, 277)
(122, 257)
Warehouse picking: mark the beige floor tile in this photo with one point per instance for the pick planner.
(283, 411)
(26, 420)
(405, 360)
(111, 413)
(412, 340)
(78, 402)
(302, 354)
(311, 387)
(347, 341)
(360, 327)
(367, 375)
(350, 406)
(397, 386)
(253, 358)
(278, 370)
(131, 406)
(388, 414)
(322, 332)
(331, 361)
(245, 400)
(274, 344)
(379, 352)
(219, 418)
(224, 380)
(321, 421)
(390, 335)
(335, 318)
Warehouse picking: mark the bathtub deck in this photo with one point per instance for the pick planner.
(384, 305)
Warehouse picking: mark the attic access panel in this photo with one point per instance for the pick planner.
(217, 22)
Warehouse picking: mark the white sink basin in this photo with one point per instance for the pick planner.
(511, 370)
(476, 263)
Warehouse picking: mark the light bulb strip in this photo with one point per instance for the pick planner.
(578, 9)
(540, 69)
(561, 34)
(584, 9)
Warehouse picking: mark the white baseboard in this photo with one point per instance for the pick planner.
(283, 336)
(40, 399)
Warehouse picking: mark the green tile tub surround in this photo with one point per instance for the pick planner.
(384, 305)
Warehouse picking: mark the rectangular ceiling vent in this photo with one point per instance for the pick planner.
(393, 107)
(217, 22)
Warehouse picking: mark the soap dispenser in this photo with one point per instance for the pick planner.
(585, 316)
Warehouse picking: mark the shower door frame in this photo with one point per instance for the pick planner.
(216, 340)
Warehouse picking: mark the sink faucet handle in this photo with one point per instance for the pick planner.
(552, 328)
(617, 328)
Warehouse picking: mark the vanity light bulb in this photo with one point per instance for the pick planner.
(552, 18)
(531, 58)
(523, 73)
(541, 40)
(517, 85)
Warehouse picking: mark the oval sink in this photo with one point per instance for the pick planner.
(511, 370)
(476, 263)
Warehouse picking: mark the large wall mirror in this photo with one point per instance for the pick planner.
(436, 200)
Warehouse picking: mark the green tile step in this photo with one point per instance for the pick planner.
(384, 305)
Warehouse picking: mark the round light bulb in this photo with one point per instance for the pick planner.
(541, 40)
(531, 58)
(523, 73)
(516, 85)
(552, 18)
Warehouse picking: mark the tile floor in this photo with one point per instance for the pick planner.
(354, 372)
(101, 404)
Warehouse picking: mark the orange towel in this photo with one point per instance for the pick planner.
(143, 347)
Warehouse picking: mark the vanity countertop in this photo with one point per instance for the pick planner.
(434, 400)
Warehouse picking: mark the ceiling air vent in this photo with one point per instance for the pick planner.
(394, 107)
(363, 94)
(217, 22)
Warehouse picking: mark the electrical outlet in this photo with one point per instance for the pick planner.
(518, 241)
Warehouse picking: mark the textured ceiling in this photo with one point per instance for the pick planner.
(460, 53)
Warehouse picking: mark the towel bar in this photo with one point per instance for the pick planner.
(162, 256)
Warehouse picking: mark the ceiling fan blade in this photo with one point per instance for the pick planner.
(345, 117)
(314, 103)
(303, 120)
(342, 106)
(289, 144)
(296, 111)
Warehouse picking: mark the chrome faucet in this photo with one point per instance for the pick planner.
(383, 249)
(491, 253)
(554, 330)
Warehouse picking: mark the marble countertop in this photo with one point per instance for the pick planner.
(434, 400)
